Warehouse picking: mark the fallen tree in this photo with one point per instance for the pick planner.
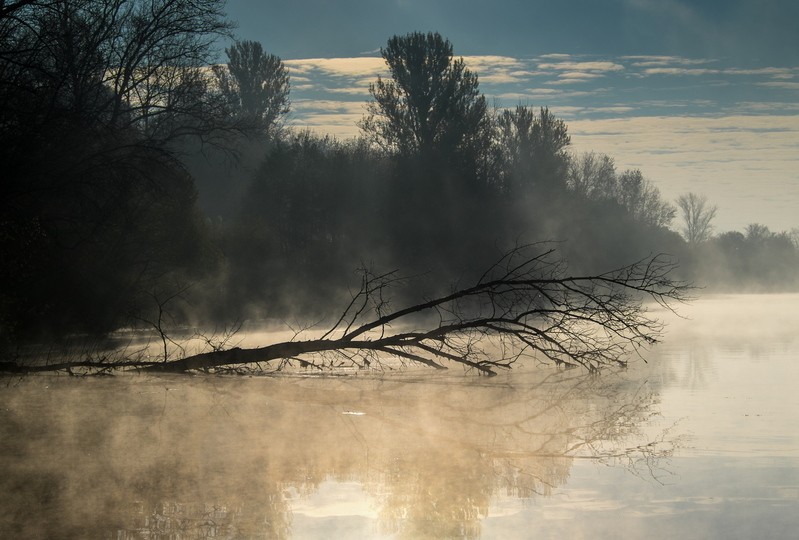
(524, 306)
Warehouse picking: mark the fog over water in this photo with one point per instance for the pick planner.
(172, 188)
(701, 442)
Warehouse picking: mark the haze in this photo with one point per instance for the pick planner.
(702, 95)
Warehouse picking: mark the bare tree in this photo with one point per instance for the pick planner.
(642, 199)
(116, 64)
(697, 217)
(524, 306)
(592, 176)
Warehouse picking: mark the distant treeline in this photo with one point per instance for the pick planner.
(140, 184)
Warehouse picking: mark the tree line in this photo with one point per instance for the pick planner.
(139, 172)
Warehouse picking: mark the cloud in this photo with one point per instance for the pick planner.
(572, 77)
(680, 71)
(542, 96)
(527, 94)
(785, 85)
(491, 62)
(737, 160)
(498, 69)
(591, 66)
(328, 106)
(353, 91)
(651, 61)
(578, 75)
(339, 67)
(767, 107)
(555, 56)
(778, 73)
(569, 112)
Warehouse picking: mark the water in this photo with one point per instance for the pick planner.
(701, 442)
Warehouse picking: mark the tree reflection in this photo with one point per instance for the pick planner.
(226, 457)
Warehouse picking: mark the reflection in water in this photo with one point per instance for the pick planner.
(181, 457)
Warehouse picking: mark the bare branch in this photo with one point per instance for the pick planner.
(522, 307)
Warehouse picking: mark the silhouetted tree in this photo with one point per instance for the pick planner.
(432, 119)
(592, 176)
(311, 211)
(431, 105)
(256, 84)
(697, 217)
(534, 148)
(794, 235)
(97, 93)
(757, 260)
(642, 200)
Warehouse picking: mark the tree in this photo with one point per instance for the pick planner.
(794, 236)
(524, 305)
(431, 106)
(697, 217)
(534, 148)
(592, 176)
(97, 95)
(642, 200)
(120, 63)
(757, 233)
(256, 84)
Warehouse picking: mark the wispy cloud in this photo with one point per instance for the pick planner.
(785, 85)
(492, 62)
(777, 73)
(542, 96)
(719, 156)
(499, 69)
(555, 56)
(339, 67)
(589, 66)
(572, 77)
(680, 71)
(772, 72)
(352, 91)
(653, 61)
(328, 106)
(579, 75)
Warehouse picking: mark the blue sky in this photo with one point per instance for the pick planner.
(701, 96)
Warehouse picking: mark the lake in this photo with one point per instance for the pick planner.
(702, 441)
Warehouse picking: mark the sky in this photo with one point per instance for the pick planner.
(702, 96)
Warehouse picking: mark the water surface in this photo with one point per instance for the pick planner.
(701, 442)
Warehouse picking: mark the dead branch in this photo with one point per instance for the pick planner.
(524, 306)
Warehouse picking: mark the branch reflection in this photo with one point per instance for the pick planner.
(134, 457)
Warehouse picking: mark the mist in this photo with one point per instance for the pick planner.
(215, 210)
(214, 323)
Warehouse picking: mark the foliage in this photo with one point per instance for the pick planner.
(431, 107)
(758, 260)
(96, 95)
(255, 84)
(533, 150)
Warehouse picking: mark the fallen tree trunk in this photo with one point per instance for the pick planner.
(523, 306)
